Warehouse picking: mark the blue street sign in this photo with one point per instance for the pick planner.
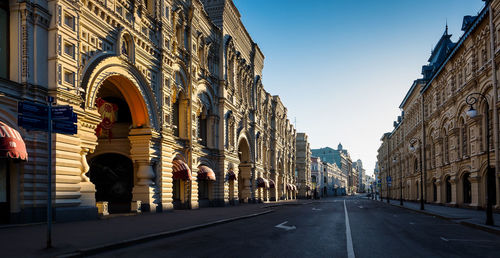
(389, 179)
(32, 109)
(62, 112)
(64, 128)
(33, 123)
(70, 117)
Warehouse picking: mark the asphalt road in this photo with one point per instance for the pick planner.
(319, 229)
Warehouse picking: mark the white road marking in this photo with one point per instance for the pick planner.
(412, 223)
(361, 207)
(282, 225)
(314, 209)
(350, 249)
(466, 240)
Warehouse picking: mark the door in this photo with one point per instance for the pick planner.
(4, 191)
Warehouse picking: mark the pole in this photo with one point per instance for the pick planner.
(421, 179)
(489, 208)
(490, 175)
(49, 173)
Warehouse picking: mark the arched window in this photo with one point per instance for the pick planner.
(464, 138)
(448, 189)
(175, 117)
(446, 150)
(466, 184)
(203, 126)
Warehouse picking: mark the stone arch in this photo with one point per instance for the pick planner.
(245, 180)
(131, 83)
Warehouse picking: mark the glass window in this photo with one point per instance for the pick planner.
(4, 40)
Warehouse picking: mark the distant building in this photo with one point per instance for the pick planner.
(358, 165)
(303, 165)
(341, 158)
(317, 180)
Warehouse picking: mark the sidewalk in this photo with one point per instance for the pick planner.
(468, 217)
(85, 237)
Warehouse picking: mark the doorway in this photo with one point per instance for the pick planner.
(113, 177)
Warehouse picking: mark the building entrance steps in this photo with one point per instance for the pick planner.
(468, 217)
(86, 237)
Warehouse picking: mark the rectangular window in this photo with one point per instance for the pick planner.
(69, 77)
(69, 49)
(69, 20)
(119, 10)
(4, 41)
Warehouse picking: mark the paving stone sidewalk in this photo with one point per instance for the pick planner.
(30, 240)
(468, 217)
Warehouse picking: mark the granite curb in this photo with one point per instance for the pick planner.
(141, 239)
(465, 223)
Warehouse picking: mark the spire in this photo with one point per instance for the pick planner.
(446, 30)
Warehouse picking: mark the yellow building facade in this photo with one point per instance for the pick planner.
(172, 112)
(434, 138)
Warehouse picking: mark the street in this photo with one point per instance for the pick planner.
(318, 229)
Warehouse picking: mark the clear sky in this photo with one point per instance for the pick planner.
(342, 67)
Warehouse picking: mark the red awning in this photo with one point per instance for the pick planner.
(231, 175)
(261, 182)
(181, 170)
(205, 173)
(11, 143)
(271, 184)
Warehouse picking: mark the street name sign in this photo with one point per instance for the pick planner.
(32, 109)
(32, 123)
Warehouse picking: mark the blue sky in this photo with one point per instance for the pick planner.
(342, 67)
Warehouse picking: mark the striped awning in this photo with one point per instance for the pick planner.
(231, 175)
(271, 184)
(288, 187)
(11, 143)
(205, 173)
(262, 183)
(181, 170)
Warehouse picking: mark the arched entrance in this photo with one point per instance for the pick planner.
(244, 168)
(113, 177)
(123, 129)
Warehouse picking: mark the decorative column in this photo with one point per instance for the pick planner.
(87, 188)
(453, 180)
(439, 196)
(475, 186)
(142, 154)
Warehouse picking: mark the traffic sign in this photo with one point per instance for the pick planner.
(389, 179)
(389, 184)
(64, 113)
(64, 128)
(33, 123)
(32, 109)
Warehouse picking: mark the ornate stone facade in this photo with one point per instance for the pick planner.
(449, 148)
(183, 82)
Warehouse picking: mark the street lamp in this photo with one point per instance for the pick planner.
(400, 181)
(412, 148)
(471, 100)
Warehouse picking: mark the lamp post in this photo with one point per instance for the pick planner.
(412, 148)
(472, 99)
